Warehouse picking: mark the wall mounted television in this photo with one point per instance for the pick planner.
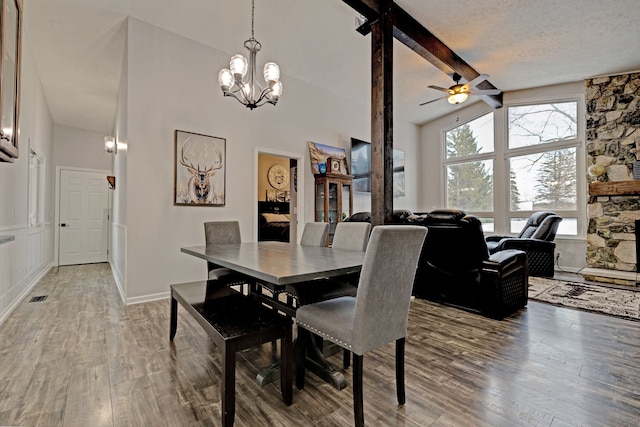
(361, 168)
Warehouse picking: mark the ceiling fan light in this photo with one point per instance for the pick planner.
(458, 98)
(238, 66)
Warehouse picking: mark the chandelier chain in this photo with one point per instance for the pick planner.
(253, 6)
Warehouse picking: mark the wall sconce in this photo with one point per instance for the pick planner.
(110, 145)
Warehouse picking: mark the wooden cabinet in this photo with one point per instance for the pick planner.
(334, 199)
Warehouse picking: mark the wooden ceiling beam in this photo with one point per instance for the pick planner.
(416, 37)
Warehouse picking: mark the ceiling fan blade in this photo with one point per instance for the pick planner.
(475, 82)
(429, 102)
(439, 88)
(485, 92)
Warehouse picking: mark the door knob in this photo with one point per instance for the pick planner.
(63, 225)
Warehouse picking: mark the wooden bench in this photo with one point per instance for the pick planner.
(234, 322)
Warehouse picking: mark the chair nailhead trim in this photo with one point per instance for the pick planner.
(317, 332)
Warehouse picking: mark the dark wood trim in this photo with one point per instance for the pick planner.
(382, 118)
(614, 188)
(417, 38)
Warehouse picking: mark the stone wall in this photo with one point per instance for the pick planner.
(613, 144)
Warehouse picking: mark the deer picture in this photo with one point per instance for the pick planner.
(200, 186)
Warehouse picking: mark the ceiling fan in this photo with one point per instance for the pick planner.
(458, 93)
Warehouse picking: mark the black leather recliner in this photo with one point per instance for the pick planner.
(455, 267)
(536, 239)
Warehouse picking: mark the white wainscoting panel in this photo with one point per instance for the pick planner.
(23, 262)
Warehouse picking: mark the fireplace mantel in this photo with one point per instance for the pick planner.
(615, 188)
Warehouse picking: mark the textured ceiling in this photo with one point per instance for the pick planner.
(79, 45)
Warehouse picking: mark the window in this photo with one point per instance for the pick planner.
(542, 123)
(36, 189)
(470, 185)
(531, 166)
(469, 170)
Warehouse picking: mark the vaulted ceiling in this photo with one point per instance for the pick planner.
(79, 45)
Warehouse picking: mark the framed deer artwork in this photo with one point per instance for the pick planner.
(199, 170)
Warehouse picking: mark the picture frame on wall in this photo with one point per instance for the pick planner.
(319, 154)
(199, 170)
(10, 34)
(283, 196)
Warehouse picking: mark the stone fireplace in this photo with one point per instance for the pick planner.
(613, 146)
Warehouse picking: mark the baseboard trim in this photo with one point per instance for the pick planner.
(119, 284)
(148, 298)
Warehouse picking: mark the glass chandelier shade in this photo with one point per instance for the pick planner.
(239, 80)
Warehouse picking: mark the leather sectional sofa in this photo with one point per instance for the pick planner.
(456, 268)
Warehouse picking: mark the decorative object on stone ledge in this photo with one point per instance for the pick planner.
(598, 171)
(636, 163)
(599, 299)
(636, 169)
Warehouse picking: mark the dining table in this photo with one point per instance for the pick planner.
(279, 264)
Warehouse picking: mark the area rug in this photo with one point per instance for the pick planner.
(600, 299)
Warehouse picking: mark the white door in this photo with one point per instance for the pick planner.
(83, 217)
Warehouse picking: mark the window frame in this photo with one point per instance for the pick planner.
(502, 213)
(36, 188)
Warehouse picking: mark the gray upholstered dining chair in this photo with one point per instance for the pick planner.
(379, 312)
(220, 233)
(352, 236)
(315, 234)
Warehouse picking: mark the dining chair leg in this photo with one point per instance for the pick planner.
(286, 364)
(400, 371)
(358, 404)
(346, 358)
(173, 323)
(300, 356)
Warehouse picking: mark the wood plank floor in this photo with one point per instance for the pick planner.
(81, 358)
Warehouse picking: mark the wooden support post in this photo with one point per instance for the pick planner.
(382, 117)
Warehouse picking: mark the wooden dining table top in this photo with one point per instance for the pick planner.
(280, 263)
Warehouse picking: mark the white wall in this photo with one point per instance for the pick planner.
(432, 195)
(25, 260)
(172, 84)
(406, 138)
(80, 148)
(118, 235)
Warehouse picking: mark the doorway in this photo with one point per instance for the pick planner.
(83, 206)
(278, 195)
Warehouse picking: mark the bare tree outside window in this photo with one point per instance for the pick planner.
(546, 178)
(542, 123)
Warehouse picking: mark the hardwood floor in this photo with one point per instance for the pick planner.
(81, 358)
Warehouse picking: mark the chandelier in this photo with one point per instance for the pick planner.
(247, 91)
